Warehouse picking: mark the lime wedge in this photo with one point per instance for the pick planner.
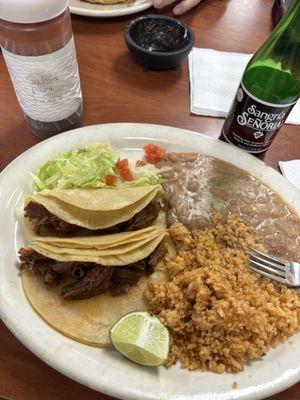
(141, 338)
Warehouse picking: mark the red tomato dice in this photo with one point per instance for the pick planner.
(154, 153)
(140, 163)
(110, 180)
(124, 170)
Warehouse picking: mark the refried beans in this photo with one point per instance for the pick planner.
(198, 186)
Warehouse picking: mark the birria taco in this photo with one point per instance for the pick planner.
(92, 211)
(82, 285)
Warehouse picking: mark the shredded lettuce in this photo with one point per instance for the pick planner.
(88, 167)
(145, 176)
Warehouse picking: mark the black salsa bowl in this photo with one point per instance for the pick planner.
(158, 41)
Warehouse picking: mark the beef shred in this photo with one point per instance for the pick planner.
(90, 279)
(95, 281)
(45, 223)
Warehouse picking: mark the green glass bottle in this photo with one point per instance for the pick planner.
(269, 88)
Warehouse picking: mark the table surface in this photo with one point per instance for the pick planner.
(115, 89)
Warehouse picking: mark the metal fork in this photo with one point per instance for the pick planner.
(286, 272)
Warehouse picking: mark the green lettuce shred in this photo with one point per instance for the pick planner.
(87, 168)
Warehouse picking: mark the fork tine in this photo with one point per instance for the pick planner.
(267, 256)
(265, 260)
(267, 268)
(274, 277)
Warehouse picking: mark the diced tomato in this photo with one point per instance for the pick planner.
(124, 170)
(140, 163)
(110, 180)
(120, 164)
(126, 174)
(154, 153)
(151, 158)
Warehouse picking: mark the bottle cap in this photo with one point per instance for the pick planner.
(31, 11)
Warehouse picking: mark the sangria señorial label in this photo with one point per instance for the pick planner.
(252, 124)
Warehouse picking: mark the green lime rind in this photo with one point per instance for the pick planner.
(141, 338)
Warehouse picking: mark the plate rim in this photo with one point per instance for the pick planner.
(111, 12)
(267, 390)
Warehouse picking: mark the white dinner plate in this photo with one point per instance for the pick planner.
(106, 370)
(104, 11)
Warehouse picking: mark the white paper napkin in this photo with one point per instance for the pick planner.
(214, 79)
(291, 170)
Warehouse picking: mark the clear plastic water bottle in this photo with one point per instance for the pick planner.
(38, 47)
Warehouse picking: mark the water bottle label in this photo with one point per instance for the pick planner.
(252, 124)
(47, 86)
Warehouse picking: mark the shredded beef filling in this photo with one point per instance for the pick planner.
(45, 223)
(95, 281)
(90, 279)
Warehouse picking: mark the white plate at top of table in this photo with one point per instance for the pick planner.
(104, 11)
(106, 370)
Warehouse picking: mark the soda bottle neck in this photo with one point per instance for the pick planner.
(273, 73)
(290, 18)
(270, 88)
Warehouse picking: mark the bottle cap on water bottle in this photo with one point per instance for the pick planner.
(31, 11)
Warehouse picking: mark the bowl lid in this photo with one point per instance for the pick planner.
(31, 11)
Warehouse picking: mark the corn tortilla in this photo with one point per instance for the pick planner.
(88, 321)
(96, 208)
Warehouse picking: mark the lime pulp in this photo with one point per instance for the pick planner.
(141, 338)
